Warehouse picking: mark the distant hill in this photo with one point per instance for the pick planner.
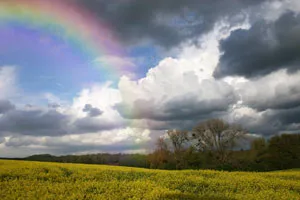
(131, 160)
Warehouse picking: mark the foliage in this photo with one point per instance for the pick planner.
(280, 152)
(130, 160)
(211, 146)
(41, 180)
(284, 151)
(162, 157)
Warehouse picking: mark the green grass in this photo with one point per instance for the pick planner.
(37, 180)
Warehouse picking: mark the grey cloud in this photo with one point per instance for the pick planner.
(90, 125)
(190, 106)
(166, 22)
(189, 124)
(117, 147)
(49, 122)
(92, 111)
(277, 104)
(53, 105)
(28, 106)
(18, 141)
(182, 124)
(279, 90)
(6, 106)
(34, 122)
(185, 106)
(285, 117)
(172, 110)
(280, 101)
(272, 121)
(264, 48)
(55, 145)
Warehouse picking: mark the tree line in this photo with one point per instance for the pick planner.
(212, 144)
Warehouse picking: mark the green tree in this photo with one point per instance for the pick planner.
(284, 151)
(259, 144)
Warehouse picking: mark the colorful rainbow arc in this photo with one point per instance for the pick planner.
(66, 20)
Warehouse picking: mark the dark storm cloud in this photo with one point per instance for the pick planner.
(276, 91)
(166, 22)
(273, 122)
(191, 107)
(286, 117)
(264, 48)
(6, 106)
(180, 108)
(92, 111)
(277, 102)
(34, 122)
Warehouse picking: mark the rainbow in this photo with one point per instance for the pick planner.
(65, 20)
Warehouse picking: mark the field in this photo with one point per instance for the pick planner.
(37, 180)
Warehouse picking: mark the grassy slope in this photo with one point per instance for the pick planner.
(36, 180)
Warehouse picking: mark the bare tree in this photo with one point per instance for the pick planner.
(160, 157)
(178, 138)
(161, 144)
(217, 136)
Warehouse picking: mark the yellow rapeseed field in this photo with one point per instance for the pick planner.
(37, 180)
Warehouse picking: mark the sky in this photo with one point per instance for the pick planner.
(95, 76)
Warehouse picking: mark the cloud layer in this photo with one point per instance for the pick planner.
(166, 23)
(264, 48)
(223, 61)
